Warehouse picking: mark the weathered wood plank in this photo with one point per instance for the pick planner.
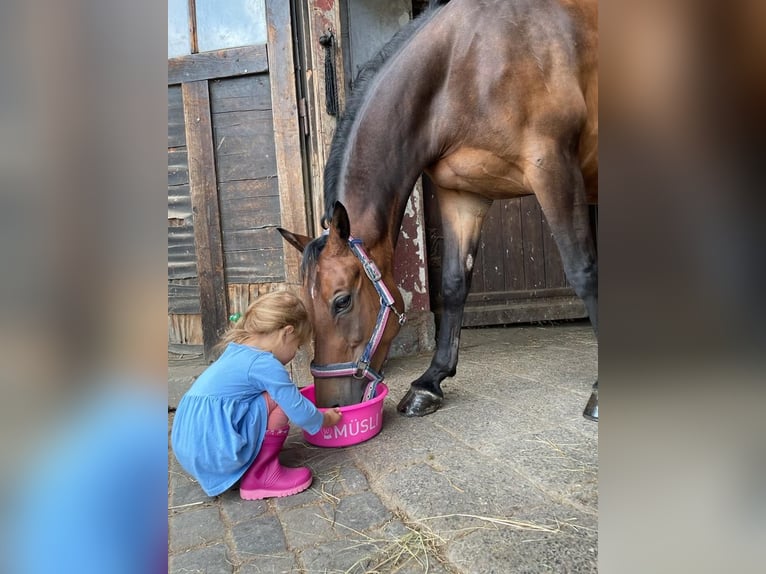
(183, 299)
(176, 134)
(249, 155)
(182, 261)
(243, 123)
(233, 190)
(179, 202)
(239, 297)
(244, 93)
(250, 213)
(254, 141)
(245, 166)
(286, 130)
(185, 330)
(509, 297)
(178, 166)
(534, 256)
(525, 311)
(262, 266)
(493, 266)
(218, 64)
(252, 240)
(207, 224)
(514, 246)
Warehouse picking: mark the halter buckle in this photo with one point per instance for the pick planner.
(361, 369)
(372, 271)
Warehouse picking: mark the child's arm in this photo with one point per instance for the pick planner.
(331, 417)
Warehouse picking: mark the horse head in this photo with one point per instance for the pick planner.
(353, 302)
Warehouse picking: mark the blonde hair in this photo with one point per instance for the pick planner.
(268, 313)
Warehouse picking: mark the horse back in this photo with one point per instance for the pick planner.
(521, 76)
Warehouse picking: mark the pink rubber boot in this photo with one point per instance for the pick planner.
(266, 478)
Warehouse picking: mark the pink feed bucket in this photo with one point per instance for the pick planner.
(359, 423)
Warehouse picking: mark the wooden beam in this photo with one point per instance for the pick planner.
(206, 217)
(218, 64)
(193, 26)
(318, 18)
(286, 129)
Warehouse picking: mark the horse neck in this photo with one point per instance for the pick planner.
(390, 143)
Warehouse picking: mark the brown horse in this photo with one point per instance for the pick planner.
(491, 99)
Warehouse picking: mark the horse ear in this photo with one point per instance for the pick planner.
(340, 221)
(296, 240)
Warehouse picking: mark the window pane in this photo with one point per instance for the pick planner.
(178, 28)
(230, 23)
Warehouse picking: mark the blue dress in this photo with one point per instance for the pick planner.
(220, 422)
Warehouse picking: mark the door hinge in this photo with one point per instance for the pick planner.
(303, 116)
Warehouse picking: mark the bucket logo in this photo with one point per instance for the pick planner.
(352, 428)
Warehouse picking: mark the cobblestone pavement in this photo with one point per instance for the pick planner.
(502, 479)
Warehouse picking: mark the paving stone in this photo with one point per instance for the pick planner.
(351, 556)
(402, 442)
(206, 560)
(403, 550)
(188, 494)
(272, 564)
(562, 461)
(237, 510)
(177, 476)
(362, 511)
(194, 527)
(507, 551)
(353, 480)
(322, 460)
(413, 566)
(259, 536)
(309, 525)
(311, 495)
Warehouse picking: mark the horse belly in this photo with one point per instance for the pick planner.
(479, 171)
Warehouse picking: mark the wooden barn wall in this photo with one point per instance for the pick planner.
(184, 323)
(234, 175)
(519, 276)
(246, 170)
(248, 200)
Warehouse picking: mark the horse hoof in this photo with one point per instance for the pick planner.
(419, 402)
(591, 409)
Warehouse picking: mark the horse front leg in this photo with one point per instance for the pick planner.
(462, 215)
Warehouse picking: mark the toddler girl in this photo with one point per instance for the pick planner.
(233, 421)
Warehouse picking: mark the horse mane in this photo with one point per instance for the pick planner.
(357, 97)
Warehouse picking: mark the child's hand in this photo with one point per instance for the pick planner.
(331, 417)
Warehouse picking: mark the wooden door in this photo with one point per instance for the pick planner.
(235, 173)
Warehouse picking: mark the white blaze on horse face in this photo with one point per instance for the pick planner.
(469, 262)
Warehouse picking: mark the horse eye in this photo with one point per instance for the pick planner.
(341, 303)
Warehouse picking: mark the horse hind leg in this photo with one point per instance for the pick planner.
(558, 185)
(462, 215)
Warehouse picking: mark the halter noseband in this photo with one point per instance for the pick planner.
(361, 369)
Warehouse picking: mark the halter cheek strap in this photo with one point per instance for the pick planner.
(361, 369)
